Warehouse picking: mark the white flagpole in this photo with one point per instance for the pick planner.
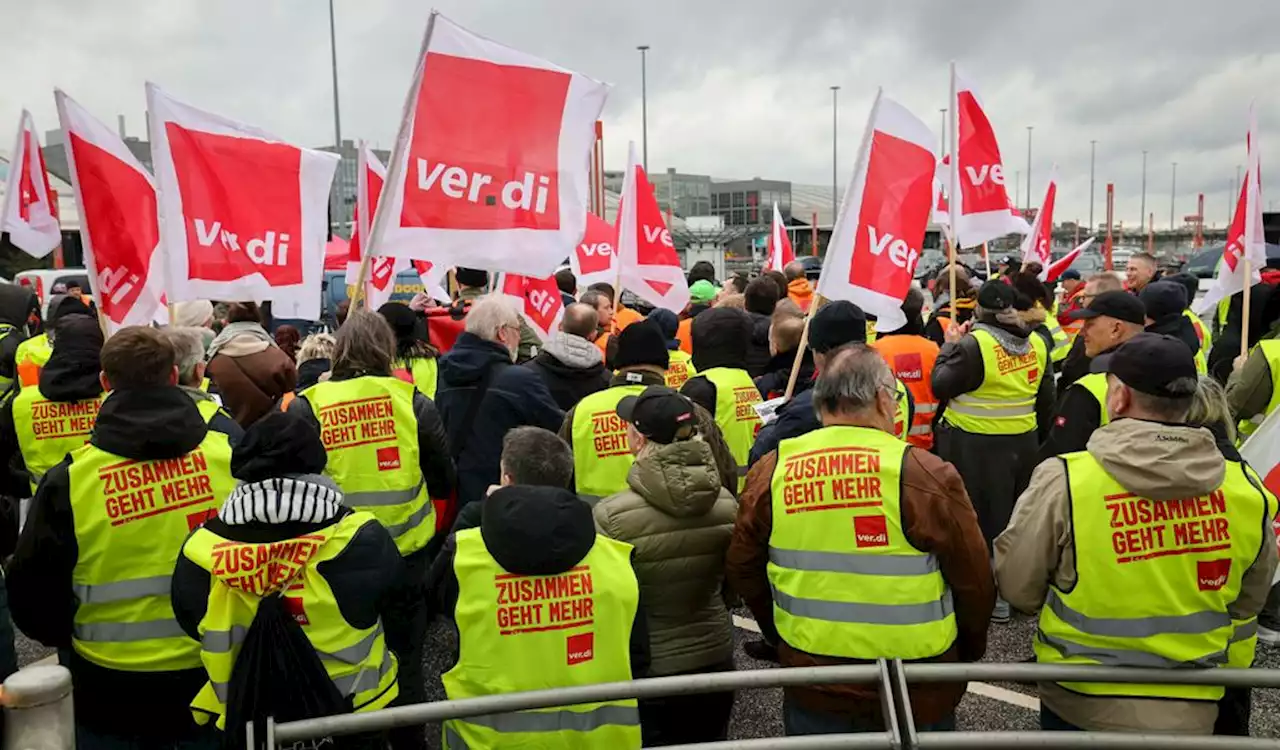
(954, 202)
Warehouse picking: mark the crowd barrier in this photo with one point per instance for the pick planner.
(893, 678)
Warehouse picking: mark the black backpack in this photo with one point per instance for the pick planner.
(278, 674)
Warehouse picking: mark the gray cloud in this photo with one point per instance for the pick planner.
(736, 89)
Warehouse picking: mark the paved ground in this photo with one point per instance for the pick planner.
(758, 713)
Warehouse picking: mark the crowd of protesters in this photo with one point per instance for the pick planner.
(215, 527)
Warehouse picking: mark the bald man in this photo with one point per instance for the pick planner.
(570, 364)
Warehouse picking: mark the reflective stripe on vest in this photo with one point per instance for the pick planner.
(736, 396)
(1180, 563)
(131, 518)
(1270, 349)
(48, 430)
(861, 595)
(30, 358)
(679, 369)
(1096, 384)
(601, 453)
(369, 429)
(357, 660)
(912, 360)
(519, 632)
(1005, 402)
(1061, 341)
(1202, 333)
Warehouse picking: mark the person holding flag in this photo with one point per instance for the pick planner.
(994, 380)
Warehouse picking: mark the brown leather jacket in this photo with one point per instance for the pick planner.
(937, 518)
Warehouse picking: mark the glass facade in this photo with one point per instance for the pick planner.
(750, 203)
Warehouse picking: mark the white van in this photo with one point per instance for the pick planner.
(41, 281)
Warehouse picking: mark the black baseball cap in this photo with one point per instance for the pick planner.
(1070, 273)
(838, 323)
(1010, 260)
(997, 295)
(1163, 298)
(660, 414)
(1155, 364)
(1118, 304)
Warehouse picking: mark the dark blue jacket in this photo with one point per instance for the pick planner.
(794, 419)
(516, 397)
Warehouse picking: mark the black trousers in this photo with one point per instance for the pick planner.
(681, 719)
(406, 628)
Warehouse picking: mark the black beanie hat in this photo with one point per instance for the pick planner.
(997, 295)
(403, 321)
(278, 445)
(641, 343)
(471, 276)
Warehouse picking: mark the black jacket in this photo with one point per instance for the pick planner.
(758, 357)
(531, 531)
(1178, 327)
(361, 576)
(515, 397)
(793, 419)
(568, 384)
(1075, 366)
(157, 423)
(773, 383)
(309, 373)
(722, 337)
(18, 304)
(434, 457)
(1077, 416)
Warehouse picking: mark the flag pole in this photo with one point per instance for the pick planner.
(953, 199)
(986, 258)
(1247, 287)
(804, 341)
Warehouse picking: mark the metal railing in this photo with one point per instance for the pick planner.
(893, 679)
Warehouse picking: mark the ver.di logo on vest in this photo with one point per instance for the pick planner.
(580, 648)
(1211, 575)
(870, 531)
(389, 458)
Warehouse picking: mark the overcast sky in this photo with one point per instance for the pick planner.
(737, 88)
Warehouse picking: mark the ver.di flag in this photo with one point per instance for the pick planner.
(1262, 452)
(647, 256)
(594, 259)
(778, 252)
(242, 213)
(875, 244)
(1037, 246)
(1245, 237)
(380, 278)
(30, 214)
(981, 206)
(490, 166)
(538, 300)
(1055, 269)
(119, 224)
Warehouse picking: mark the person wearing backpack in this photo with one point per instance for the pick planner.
(93, 568)
(284, 537)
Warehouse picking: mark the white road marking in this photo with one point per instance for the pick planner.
(986, 690)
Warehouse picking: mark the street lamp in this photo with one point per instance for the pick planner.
(835, 94)
(1143, 215)
(1173, 194)
(1029, 129)
(337, 201)
(1093, 152)
(644, 105)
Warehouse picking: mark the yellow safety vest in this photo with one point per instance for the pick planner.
(901, 426)
(369, 430)
(1061, 341)
(30, 358)
(863, 595)
(131, 518)
(241, 574)
(205, 384)
(48, 430)
(530, 632)
(601, 452)
(1096, 384)
(210, 409)
(1270, 349)
(679, 369)
(424, 372)
(1005, 403)
(1179, 564)
(1202, 331)
(736, 395)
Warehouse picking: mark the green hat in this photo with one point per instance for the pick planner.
(702, 291)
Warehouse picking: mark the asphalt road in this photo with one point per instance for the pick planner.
(758, 713)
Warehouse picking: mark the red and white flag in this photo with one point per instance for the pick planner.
(538, 300)
(594, 259)
(646, 253)
(242, 213)
(875, 244)
(1245, 240)
(1262, 452)
(778, 252)
(1055, 269)
(1037, 246)
(30, 213)
(119, 224)
(981, 209)
(490, 165)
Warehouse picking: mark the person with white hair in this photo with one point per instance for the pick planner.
(188, 348)
(481, 394)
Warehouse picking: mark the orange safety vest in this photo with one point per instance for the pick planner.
(911, 358)
(684, 334)
(1071, 327)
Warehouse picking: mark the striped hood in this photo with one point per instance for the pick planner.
(300, 498)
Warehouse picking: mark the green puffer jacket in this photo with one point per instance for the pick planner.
(680, 519)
